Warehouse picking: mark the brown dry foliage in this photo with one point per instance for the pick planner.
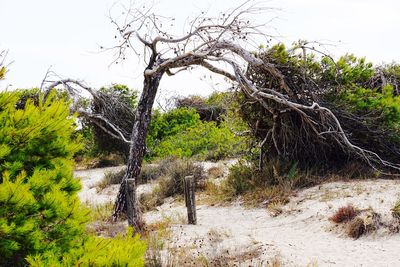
(344, 214)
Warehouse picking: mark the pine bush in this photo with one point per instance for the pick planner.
(40, 208)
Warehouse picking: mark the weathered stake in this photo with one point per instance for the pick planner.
(189, 187)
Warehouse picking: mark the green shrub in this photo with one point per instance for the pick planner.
(241, 178)
(383, 102)
(206, 140)
(121, 250)
(40, 208)
(164, 125)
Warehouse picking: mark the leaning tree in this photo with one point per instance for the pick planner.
(221, 45)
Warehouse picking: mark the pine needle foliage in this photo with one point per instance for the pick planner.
(40, 210)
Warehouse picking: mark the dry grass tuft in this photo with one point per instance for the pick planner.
(101, 212)
(344, 214)
(149, 201)
(372, 221)
(171, 180)
(215, 172)
(275, 208)
(107, 229)
(110, 178)
(356, 228)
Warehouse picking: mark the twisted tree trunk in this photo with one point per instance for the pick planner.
(138, 148)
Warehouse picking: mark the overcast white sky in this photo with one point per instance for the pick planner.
(66, 35)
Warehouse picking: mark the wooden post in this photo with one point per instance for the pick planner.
(132, 211)
(189, 186)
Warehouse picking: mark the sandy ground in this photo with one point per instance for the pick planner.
(90, 178)
(301, 235)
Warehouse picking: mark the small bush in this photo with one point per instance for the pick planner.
(127, 250)
(241, 178)
(344, 214)
(274, 183)
(264, 187)
(356, 228)
(245, 176)
(151, 172)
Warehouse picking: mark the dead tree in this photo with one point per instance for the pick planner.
(217, 44)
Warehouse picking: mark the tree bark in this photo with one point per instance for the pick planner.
(137, 148)
(130, 204)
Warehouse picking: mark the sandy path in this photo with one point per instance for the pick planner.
(302, 235)
(90, 178)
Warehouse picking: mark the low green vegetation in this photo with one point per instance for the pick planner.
(206, 140)
(181, 133)
(121, 250)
